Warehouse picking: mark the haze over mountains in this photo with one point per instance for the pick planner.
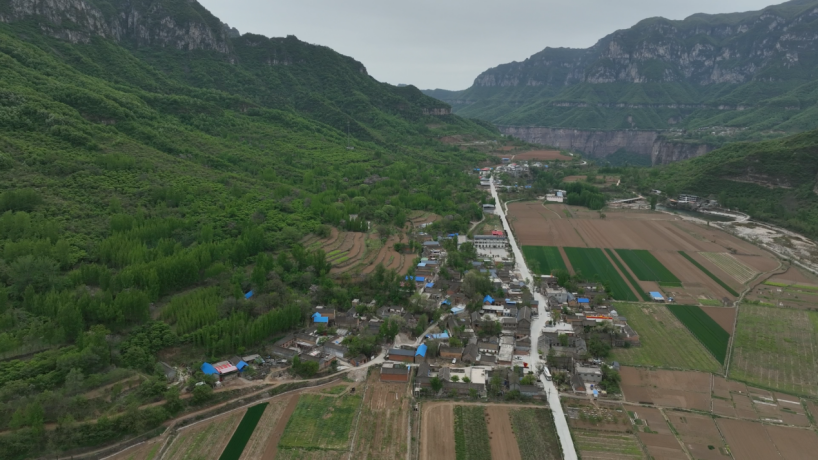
(665, 89)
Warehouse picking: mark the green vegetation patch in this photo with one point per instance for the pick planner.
(592, 264)
(336, 390)
(471, 433)
(793, 286)
(707, 330)
(543, 260)
(647, 268)
(665, 342)
(536, 434)
(593, 443)
(642, 294)
(320, 422)
(708, 273)
(776, 348)
(243, 432)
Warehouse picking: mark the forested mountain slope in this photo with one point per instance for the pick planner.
(706, 79)
(155, 165)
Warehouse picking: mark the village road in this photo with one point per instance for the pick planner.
(536, 327)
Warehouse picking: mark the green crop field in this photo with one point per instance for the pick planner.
(776, 348)
(243, 432)
(471, 433)
(596, 444)
(595, 266)
(708, 273)
(543, 259)
(321, 422)
(536, 434)
(701, 325)
(647, 268)
(643, 295)
(666, 342)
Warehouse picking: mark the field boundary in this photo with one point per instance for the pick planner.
(627, 274)
(598, 265)
(708, 273)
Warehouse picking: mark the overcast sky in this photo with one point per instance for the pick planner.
(447, 43)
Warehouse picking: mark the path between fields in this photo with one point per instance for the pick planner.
(568, 449)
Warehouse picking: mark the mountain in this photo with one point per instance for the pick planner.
(155, 165)
(669, 89)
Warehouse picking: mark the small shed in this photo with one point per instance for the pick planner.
(657, 296)
(317, 318)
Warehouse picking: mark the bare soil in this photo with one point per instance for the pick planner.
(683, 389)
(698, 433)
(205, 440)
(748, 440)
(744, 407)
(437, 438)
(653, 419)
(725, 317)
(384, 423)
(794, 444)
(662, 446)
(257, 444)
(503, 442)
(271, 449)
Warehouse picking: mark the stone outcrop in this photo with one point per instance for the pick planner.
(600, 144)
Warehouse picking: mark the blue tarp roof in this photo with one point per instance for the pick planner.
(456, 310)
(317, 318)
(422, 264)
(442, 335)
(421, 350)
(420, 279)
(248, 295)
(583, 300)
(208, 369)
(656, 295)
(430, 285)
(241, 365)
(446, 302)
(488, 299)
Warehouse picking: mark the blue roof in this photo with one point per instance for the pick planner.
(656, 295)
(317, 318)
(488, 299)
(430, 285)
(248, 295)
(421, 350)
(208, 369)
(420, 279)
(456, 310)
(442, 335)
(422, 264)
(446, 302)
(241, 365)
(583, 300)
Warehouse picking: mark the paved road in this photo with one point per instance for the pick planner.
(536, 327)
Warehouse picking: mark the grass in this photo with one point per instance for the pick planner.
(710, 302)
(776, 348)
(471, 433)
(627, 274)
(544, 259)
(320, 422)
(708, 273)
(621, 445)
(193, 444)
(730, 265)
(243, 432)
(707, 330)
(666, 343)
(336, 390)
(647, 268)
(593, 265)
(795, 286)
(536, 434)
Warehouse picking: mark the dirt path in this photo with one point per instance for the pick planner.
(503, 442)
(636, 288)
(272, 442)
(567, 261)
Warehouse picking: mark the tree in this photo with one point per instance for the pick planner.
(73, 381)
(495, 384)
(455, 378)
(563, 339)
(528, 380)
(436, 384)
(598, 348)
(653, 201)
(173, 403)
(610, 379)
(476, 284)
(201, 394)
(466, 380)
(473, 393)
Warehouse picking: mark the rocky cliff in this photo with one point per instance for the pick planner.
(600, 144)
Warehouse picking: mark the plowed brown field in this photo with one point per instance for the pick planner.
(503, 442)
(748, 440)
(683, 389)
(437, 437)
(725, 317)
(383, 425)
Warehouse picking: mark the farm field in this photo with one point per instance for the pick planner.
(723, 316)
(647, 268)
(243, 432)
(501, 433)
(699, 434)
(354, 252)
(205, 440)
(382, 428)
(257, 443)
(640, 288)
(704, 328)
(437, 433)
(776, 348)
(583, 414)
(682, 389)
(795, 288)
(543, 260)
(662, 446)
(748, 440)
(471, 434)
(596, 445)
(536, 434)
(594, 265)
(146, 451)
(730, 265)
(320, 422)
(666, 342)
(710, 274)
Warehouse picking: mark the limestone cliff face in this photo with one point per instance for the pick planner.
(151, 24)
(599, 144)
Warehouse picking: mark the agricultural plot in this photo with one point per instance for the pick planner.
(701, 325)
(647, 268)
(382, 428)
(501, 433)
(536, 434)
(243, 432)
(666, 342)
(776, 348)
(543, 260)
(709, 273)
(257, 444)
(594, 265)
(320, 422)
(471, 434)
(596, 445)
(682, 389)
(730, 265)
(637, 286)
(205, 440)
